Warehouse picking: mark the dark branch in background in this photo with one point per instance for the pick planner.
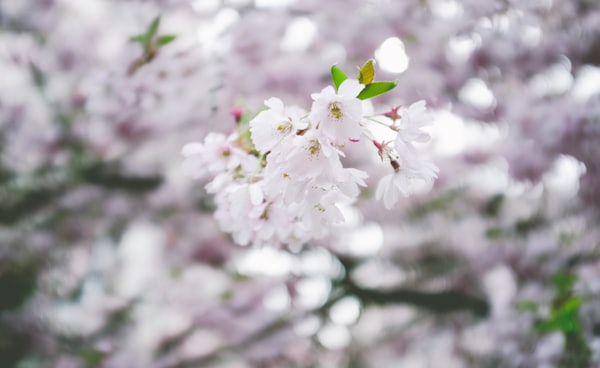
(88, 347)
(438, 302)
(212, 358)
(47, 185)
(110, 177)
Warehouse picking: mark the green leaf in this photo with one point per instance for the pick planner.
(92, 357)
(153, 28)
(138, 39)
(544, 326)
(565, 318)
(165, 39)
(564, 282)
(495, 233)
(367, 72)
(376, 89)
(527, 306)
(245, 119)
(338, 76)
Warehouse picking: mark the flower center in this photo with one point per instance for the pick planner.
(335, 110)
(284, 127)
(265, 214)
(314, 148)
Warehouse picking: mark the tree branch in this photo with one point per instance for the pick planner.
(211, 358)
(437, 302)
(46, 185)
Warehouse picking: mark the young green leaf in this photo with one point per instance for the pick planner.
(527, 306)
(376, 89)
(367, 72)
(141, 38)
(564, 282)
(338, 76)
(165, 39)
(153, 28)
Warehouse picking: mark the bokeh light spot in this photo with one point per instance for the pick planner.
(391, 56)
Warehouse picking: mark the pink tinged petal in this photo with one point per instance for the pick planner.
(256, 194)
(274, 103)
(336, 216)
(243, 237)
(386, 190)
(421, 137)
(326, 92)
(217, 183)
(390, 196)
(349, 188)
(350, 180)
(301, 124)
(350, 88)
(404, 148)
(191, 149)
(266, 233)
(354, 132)
(402, 185)
(416, 108)
(381, 187)
(256, 211)
(330, 151)
(359, 176)
(218, 139)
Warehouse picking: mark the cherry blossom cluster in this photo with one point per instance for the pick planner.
(281, 178)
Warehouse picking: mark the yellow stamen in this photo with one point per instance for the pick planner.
(335, 110)
(314, 148)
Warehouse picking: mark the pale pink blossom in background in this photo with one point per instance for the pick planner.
(119, 252)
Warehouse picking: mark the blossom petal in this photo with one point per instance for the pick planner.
(274, 103)
(350, 88)
(191, 149)
(326, 92)
(256, 194)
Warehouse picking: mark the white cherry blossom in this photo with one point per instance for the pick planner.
(271, 126)
(286, 185)
(411, 123)
(411, 173)
(337, 115)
